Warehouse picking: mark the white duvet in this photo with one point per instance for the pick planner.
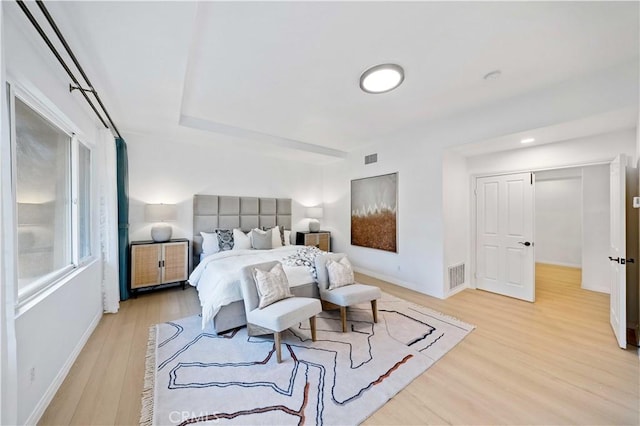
(217, 277)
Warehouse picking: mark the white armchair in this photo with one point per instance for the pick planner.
(346, 295)
(277, 316)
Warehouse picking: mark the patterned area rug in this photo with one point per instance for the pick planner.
(198, 377)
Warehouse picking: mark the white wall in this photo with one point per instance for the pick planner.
(417, 153)
(50, 330)
(418, 262)
(455, 203)
(595, 224)
(171, 172)
(558, 218)
(575, 152)
(8, 380)
(58, 326)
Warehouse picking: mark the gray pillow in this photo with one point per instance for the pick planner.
(264, 228)
(272, 285)
(261, 241)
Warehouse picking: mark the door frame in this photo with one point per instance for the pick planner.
(474, 207)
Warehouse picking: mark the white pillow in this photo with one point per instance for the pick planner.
(271, 285)
(340, 273)
(210, 243)
(287, 238)
(276, 239)
(241, 241)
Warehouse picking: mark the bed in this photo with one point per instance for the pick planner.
(217, 277)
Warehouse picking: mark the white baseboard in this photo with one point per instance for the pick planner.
(456, 290)
(598, 288)
(569, 265)
(44, 402)
(391, 280)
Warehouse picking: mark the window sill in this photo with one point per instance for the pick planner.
(32, 300)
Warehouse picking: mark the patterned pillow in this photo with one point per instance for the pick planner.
(271, 285)
(225, 239)
(281, 229)
(340, 273)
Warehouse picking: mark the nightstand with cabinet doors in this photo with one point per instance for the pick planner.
(320, 239)
(154, 264)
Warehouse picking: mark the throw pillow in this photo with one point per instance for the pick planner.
(210, 243)
(241, 241)
(340, 273)
(225, 239)
(277, 234)
(280, 229)
(271, 285)
(261, 240)
(287, 238)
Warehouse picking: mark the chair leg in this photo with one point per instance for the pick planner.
(374, 309)
(312, 323)
(276, 341)
(343, 316)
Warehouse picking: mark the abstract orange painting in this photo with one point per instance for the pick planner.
(374, 208)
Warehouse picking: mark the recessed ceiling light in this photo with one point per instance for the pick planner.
(493, 75)
(527, 140)
(381, 78)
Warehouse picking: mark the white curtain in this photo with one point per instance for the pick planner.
(108, 205)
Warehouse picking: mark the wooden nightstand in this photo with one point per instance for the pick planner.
(154, 264)
(320, 239)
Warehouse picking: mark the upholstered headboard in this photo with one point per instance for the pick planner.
(212, 212)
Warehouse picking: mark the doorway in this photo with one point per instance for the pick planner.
(572, 210)
(562, 221)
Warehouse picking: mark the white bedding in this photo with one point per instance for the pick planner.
(217, 277)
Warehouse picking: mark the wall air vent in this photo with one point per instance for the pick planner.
(456, 275)
(371, 158)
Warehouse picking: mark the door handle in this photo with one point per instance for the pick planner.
(617, 259)
(524, 243)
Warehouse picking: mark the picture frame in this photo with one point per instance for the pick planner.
(374, 210)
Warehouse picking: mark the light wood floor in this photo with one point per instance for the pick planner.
(551, 362)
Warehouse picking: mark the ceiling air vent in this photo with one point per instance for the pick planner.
(371, 158)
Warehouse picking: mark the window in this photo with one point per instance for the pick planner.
(84, 202)
(53, 192)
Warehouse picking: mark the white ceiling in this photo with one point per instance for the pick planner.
(283, 77)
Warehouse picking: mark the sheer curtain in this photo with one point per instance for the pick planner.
(108, 208)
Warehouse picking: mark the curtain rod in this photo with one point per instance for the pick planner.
(63, 63)
(75, 61)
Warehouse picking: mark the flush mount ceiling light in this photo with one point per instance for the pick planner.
(527, 140)
(381, 78)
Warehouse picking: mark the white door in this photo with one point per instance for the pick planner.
(504, 242)
(617, 251)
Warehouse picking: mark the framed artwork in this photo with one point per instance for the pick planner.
(374, 208)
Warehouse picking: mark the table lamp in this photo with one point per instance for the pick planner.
(314, 213)
(158, 214)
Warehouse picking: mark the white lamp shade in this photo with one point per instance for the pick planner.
(160, 213)
(314, 212)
